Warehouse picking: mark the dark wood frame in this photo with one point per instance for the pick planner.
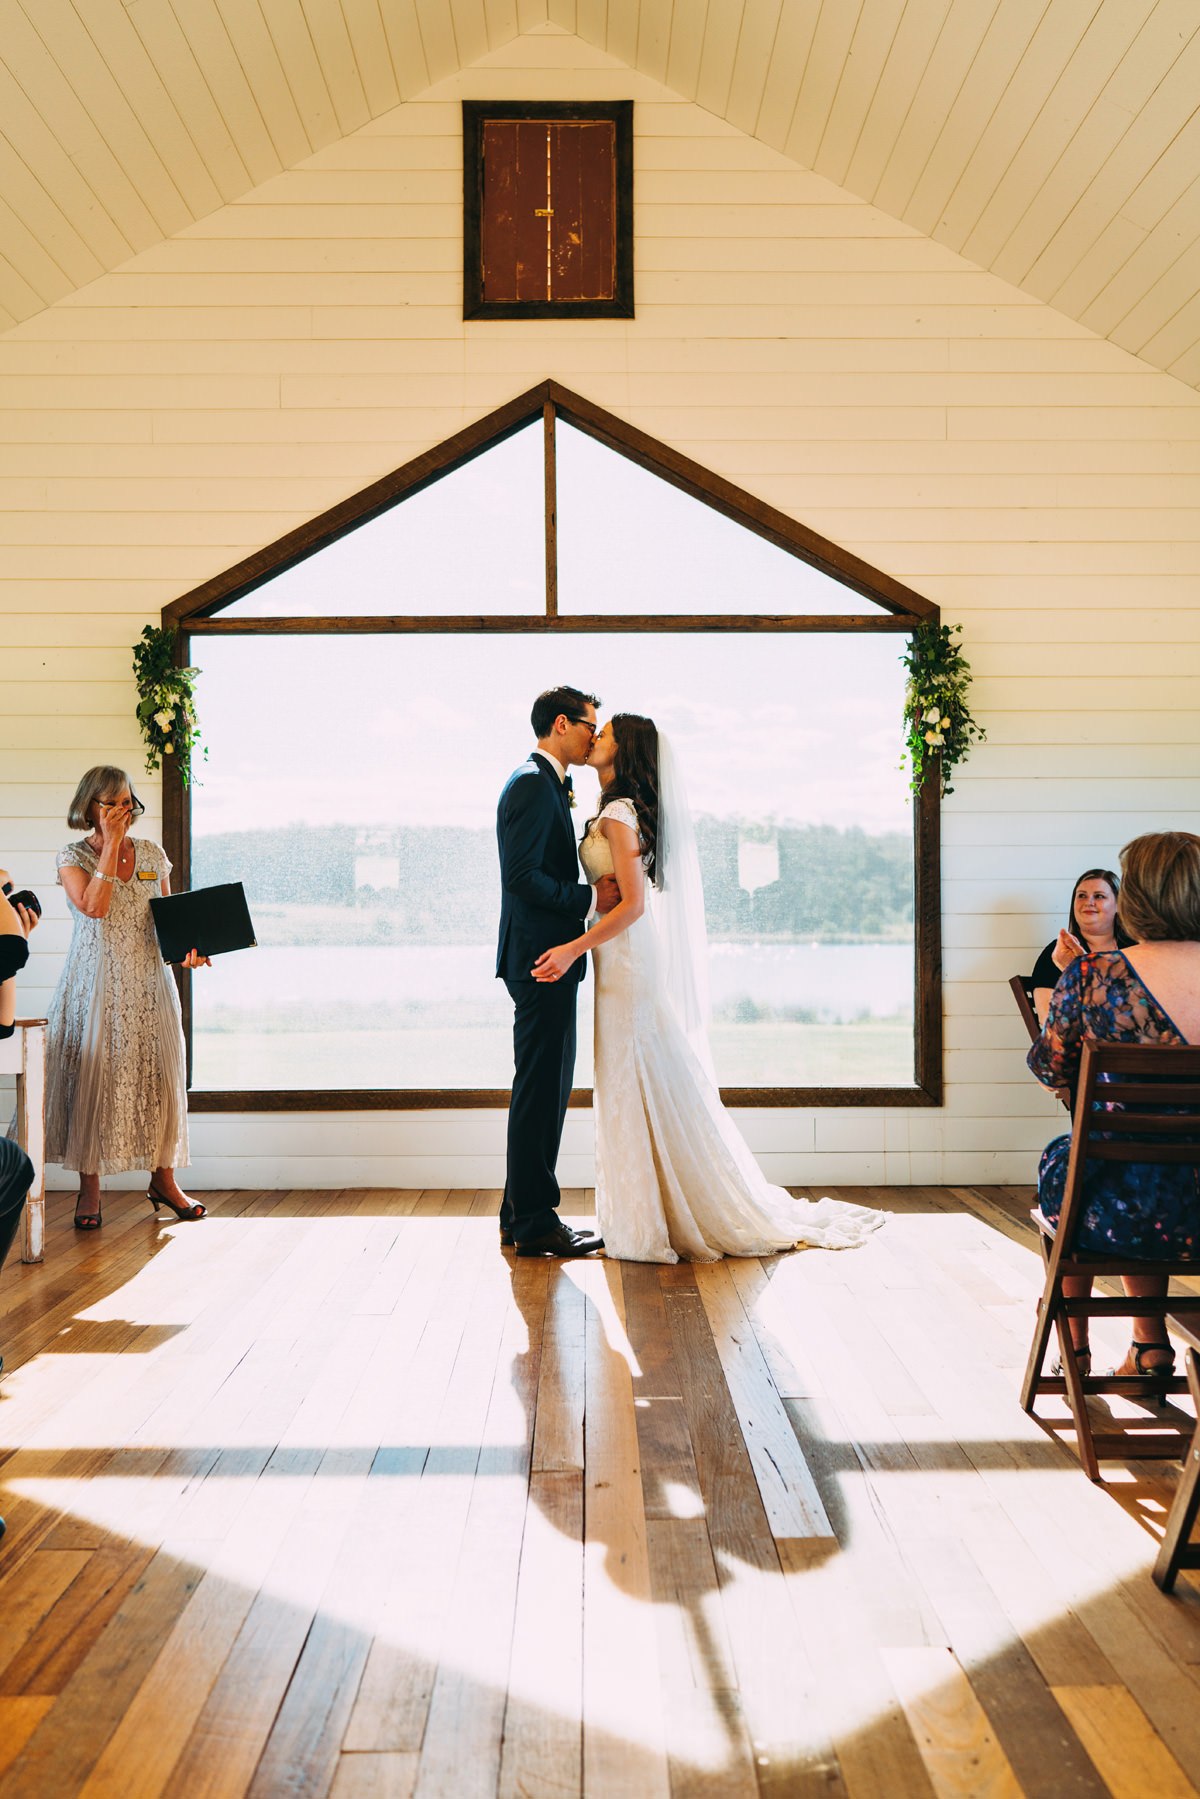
(474, 112)
(198, 614)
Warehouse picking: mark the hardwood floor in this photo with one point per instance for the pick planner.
(326, 1495)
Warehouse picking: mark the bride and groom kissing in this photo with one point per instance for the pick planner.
(675, 1180)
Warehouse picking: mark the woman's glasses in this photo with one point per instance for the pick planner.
(135, 808)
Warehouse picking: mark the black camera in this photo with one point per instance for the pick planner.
(25, 897)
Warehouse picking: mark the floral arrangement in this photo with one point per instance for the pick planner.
(939, 729)
(166, 708)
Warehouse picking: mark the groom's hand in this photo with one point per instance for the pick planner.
(608, 894)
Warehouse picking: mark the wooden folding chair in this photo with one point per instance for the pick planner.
(1022, 992)
(1144, 1080)
(1177, 1549)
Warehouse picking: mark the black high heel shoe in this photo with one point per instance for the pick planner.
(87, 1221)
(187, 1214)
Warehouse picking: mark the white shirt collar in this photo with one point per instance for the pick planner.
(554, 762)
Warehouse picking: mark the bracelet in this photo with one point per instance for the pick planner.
(100, 876)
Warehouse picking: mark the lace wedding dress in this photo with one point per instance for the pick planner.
(674, 1178)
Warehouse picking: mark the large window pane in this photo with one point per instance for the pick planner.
(351, 784)
(630, 542)
(472, 542)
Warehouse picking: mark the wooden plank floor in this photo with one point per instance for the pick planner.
(328, 1496)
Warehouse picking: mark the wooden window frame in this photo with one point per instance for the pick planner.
(199, 614)
(474, 112)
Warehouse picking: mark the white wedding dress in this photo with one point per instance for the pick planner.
(675, 1181)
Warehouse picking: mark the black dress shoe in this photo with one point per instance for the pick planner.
(507, 1240)
(560, 1241)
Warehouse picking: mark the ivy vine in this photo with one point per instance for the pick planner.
(166, 710)
(939, 731)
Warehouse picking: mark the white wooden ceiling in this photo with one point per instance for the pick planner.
(1054, 142)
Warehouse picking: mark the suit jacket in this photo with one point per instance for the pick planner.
(543, 900)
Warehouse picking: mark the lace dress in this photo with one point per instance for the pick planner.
(675, 1180)
(116, 1095)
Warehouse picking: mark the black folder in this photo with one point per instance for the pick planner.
(213, 920)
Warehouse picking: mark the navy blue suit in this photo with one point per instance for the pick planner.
(544, 903)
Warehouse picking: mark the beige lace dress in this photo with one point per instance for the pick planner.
(116, 1093)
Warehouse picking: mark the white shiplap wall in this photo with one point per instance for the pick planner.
(1040, 483)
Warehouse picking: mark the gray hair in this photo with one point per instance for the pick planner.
(97, 781)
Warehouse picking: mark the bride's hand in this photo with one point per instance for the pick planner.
(553, 964)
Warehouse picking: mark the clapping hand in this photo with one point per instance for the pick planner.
(1068, 949)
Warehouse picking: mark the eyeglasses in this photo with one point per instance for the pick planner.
(135, 807)
(589, 722)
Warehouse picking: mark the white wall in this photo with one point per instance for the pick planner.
(1037, 482)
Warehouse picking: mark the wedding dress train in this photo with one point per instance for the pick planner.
(674, 1178)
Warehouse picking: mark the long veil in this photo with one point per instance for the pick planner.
(678, 909)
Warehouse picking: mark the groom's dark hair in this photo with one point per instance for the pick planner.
(548, 705)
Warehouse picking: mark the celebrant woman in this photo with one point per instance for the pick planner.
(117, 1088)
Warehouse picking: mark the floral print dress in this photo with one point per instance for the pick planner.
(1133, 1208)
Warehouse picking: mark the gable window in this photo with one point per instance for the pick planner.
(547, 210)
(366, 688)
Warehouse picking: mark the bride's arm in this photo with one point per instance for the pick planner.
(631, 880)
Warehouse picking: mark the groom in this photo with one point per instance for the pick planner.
(544, 902)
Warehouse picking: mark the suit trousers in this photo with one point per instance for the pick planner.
(544, 1068)
(16, 1178)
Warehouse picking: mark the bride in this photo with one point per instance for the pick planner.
(674, 1177)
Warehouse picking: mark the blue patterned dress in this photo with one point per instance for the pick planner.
(1130, 1207)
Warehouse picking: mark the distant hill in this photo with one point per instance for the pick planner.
(832, 886)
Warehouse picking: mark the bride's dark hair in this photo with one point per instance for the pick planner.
(635, 778)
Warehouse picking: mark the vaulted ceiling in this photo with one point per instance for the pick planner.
(1054, 142)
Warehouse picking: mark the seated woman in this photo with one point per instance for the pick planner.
(1091, 926)
(1147, 993)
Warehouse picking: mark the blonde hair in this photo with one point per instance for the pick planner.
(97, 781)
(1160, 887)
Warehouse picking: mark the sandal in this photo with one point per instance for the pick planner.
(87, 1221)
(187, 1214)
(1082, 1356)
(1160, 1370)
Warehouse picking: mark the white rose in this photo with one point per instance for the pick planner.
(934, 739)
(933, 714)
(163, 720)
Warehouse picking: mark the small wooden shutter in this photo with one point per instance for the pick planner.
(548, 218)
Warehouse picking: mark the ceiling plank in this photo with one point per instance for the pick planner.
(918, 32)
(789, 56)
(78, 60)
(870, 48)
(52, 95)
(175, 63)
(331, 40)
(822, 73)
(33, 141)
(254, 47)
(116, 38)
(1008, 40)
(51, 234)
(227, 81)
(372, 56)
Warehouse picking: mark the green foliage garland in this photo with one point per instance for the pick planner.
(939, 729)
(166, 707)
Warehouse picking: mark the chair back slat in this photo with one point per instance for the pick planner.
(1146, 1074)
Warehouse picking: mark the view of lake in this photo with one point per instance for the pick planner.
(434, 1016)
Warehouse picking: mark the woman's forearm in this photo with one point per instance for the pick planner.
(611, 924)
(97, 895)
